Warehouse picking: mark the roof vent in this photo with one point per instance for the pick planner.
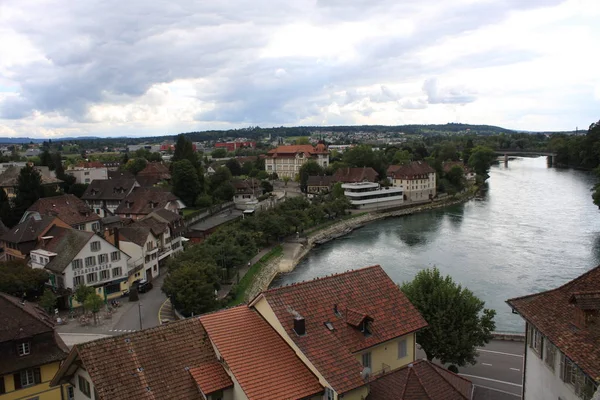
(329, 326)
(127, 340)
(299, 325)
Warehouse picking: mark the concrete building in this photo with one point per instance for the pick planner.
(103, 196)
(562, 350)
(286, 161)
(371, 196)
(417, 178)
(87, 175)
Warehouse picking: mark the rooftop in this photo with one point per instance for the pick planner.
(66, 243)
(410, 171)
(351, 175)
(295, 149)
(28, 230)
(109, 189)
(69, 208)
(144, 200)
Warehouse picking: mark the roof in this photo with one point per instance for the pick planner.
(90, 164)
(410, 171)
(157, 227)
(10, 177)
(368, 291)
(28, 230)
(295, 149)
(353, 175)
(120, 174)
(109, 189)
(153, 174)
(144, 200)
(3, 228)
(136, 234)
(25, 321)
(149, 364)
(211, 377)
(553, 314)
(319, 180)
(265, 366)
(420, 380)
(167, 215)
(66, 243)
(67, 207)
(586, 300)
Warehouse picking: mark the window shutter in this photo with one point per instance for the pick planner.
(37, 375)
(17, 378)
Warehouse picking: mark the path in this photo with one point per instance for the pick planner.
(226, 288)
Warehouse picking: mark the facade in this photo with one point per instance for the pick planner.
(176, 226)
(233, 146)
(246, 193)
(417, 178)
(562, 354)
(371, 196)
(286, 161)
(9, 179)
(87, 175)
(143, 201)
(68, 208)
(74, 258)
(319, 184)
(103, 196)
(31, 352)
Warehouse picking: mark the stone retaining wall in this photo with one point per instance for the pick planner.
(263, 278)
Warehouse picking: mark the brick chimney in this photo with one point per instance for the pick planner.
(299, 325)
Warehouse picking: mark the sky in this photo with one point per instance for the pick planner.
(143, 68)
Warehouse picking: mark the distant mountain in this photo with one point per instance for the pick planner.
(21, 140)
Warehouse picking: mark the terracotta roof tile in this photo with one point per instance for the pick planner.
(369, 290)
(553, 314)
(586, 300)
(354, 317)
(414, 170)
(298, 148)
(320, 180)
(109, 189)
(28, 230)
(211, 377)
(261, 361)
(353, 175)
(143, 200)
(154, 173)
(67, 207)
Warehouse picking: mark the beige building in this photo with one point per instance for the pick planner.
(87, 175)
(417, 178)
(286, 161)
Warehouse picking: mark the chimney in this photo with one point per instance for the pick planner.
(299, 325)
(117, 238)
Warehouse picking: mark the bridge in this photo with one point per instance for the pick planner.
(526, 153)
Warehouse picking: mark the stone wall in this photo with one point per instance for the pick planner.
(263, 278)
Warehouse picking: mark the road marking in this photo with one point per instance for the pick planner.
(516, 369)
(489, 365)
(499, 352)
(160, 310)
(498, 390)
(491, 380)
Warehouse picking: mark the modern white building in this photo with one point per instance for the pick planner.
(562, 350)
(87, 175)
(371, 196)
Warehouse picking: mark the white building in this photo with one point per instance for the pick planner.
(103, 196)
(371, 196)
(562, 353)
(286, 161)
(417, 178)
(87, 175)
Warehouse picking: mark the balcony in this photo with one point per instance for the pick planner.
(164, 252)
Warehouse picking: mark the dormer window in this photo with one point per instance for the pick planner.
(23, 349)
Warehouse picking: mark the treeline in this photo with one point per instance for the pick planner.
(196, 274)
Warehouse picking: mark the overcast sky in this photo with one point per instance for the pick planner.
(150, 67)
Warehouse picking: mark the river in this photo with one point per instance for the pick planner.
(534, 229)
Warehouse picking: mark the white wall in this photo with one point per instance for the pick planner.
(541, 383)
(87, 175)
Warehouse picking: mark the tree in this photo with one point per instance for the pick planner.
(58, 167)
(234, 166)
(19, 280)
(219, 153)
(309, 168)
(7, 216)
(192, 286)
(29, 188)
(184, 150)
(266, 187)
(82, 292)
(94, 303)
(458, 321)
(135, 165)
(184, 179)
(302, 140)
(46, 159)
(481, 160)
(402, 157)
(48, 301)
(456, 177)
(286, 179)
(78, 189)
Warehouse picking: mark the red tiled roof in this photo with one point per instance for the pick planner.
(67, 207)
(410, 171)
(353, 175)
(90, 164)
(586, 300)
(369, 290)
(143, 200)
(261, 361)
(211, 377)
(320, 180)
(552, 313)
(354, 317)
(420, 380)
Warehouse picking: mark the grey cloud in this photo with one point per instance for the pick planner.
(448, 95)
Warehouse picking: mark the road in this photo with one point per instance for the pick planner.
(498, 372)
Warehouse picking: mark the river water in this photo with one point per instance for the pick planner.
(535, 229)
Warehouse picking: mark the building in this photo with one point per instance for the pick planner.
(355, 175)
(319, 184)
(9, 179)
(233, 146)
(25, 236)
(87, 175)
(468, 172)
(153, 174)
(315, 340)
(69, 208)
(74, 258)
(372, 196)
(176, 226)
(246, 193)
(31, 352)
(143, 201)
(417, 178)
(286, 161)
(103, 196)
(562, 350)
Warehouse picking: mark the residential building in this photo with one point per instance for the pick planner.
(143, 201)
(9, 179)
(154, 174)
(69, 208)
(355, 175)
(25, 236)
(31, 352)
(319, 184)
(372, 196)
(176, 226)
(314, 340)
(417, 178)
(233, 146)
(468, 172)
(287, 160)
(103, 196)
(87, 175)
(562, 349)
(74, 258)
(246, 193)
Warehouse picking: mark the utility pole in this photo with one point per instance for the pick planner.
(140, 313)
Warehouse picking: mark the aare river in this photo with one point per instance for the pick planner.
(534, 229)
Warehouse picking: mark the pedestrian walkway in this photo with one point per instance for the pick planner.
(226, 288)
(166, 313)
(105, 322)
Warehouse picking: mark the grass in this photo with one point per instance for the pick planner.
(248, 279)
(189, 210)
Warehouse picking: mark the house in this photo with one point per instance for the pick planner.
(246, 193)
(314, 340)
(87, 175)
(319, 184)
(143, 201)
(562, 328)
(153, 174)
(24, 237)
(31, 352)
(103, 196)
(69, 208)
(287, 160)
(233, 146)
(176, 225)
(74, 258)
(355, 175)
(9, 180)
(417, 178)
(468, 172)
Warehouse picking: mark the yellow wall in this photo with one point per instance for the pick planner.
(387, 353)
(42, 390)
(356, 394)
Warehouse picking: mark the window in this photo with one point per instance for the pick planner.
(77, 263)
(92, 277)
(29, 377)
(70, 393)
(95, 246)
(117, 272)
(329, 394)
(84, 386)
(104, 275)
(114, 288)
(571, 374)
(96, 226)
(535, 339)
(90, 261)
(550, 354)
(23, 349)
(103, 258)
(115, 256)
(78, 280)
(366, 360)
(402, 350)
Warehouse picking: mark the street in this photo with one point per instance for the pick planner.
(497, 374)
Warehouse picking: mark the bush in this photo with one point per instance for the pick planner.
(17, 279)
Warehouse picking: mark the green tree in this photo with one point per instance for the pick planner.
(184, 180)
(266, 186)
(219, 153)
(93, 303)
(204, 201)
(48, 301)
(302, 140)
(402, 157)
(481, 160)
(135, 165)
(191, 287)
(29, 188)
(309, 168)
(46, 159)
(82, 292)
(184, 150)
(19, 280)
(286, 179)
(7, 216)
(234, 167)
(458, 321)
(456, 177)
(224, 192)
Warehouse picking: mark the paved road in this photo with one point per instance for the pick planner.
(498, 372)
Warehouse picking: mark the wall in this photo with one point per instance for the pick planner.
(43, 390)
(356, 394)
(75, 382)
(387, 353)
(92, 173)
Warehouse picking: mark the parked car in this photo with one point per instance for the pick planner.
(143, 286)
